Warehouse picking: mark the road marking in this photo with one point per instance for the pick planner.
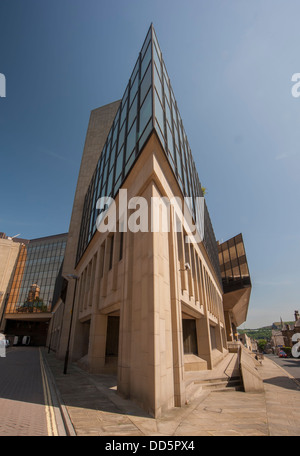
(49, 409)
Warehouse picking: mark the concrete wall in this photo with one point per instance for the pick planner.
(251, 379)
(98, 128)
(150, 292)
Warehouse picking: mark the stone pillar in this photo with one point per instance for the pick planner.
(203, 340)
(229, 332)
(177, 337)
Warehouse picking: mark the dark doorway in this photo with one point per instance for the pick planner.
(189, 336)
(112, 338)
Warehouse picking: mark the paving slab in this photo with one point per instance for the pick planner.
(95, 408)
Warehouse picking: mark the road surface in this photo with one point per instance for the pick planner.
(26, 407)
(290, 365)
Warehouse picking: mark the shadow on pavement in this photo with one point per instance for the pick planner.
(283, 382)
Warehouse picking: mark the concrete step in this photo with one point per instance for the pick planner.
(221, 384)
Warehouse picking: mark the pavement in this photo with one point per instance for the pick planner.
(90, 406)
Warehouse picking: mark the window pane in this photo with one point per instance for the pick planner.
(159, 132)
(115, 134)
(146, 83)
(119, 164)
(145, 112)
(117, 184)
(166, 87)
(145, 134)
(133, 89)
(157, 83)
(159, 113)
(170, 142)
(121, 136)
(168, 113)
(129, 163)
(179, 164)
(109, 183)
(146, 60)
(132, 112)
(156, 44)
(131, 140)
(135, 71)
(147, 40)
(124, 96)
(123, 114)
(157, 60)
(112, 156)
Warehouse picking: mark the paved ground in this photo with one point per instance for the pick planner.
(22, 407)
(37, 399)
(291, 365)
(92, 408)
(27, 405)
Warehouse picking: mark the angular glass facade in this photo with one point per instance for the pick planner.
(34, 280)
(233, 264)
(148, 105)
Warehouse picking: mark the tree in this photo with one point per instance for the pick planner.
(261, 343)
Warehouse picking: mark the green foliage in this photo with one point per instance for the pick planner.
(261, 343)
(258, 334)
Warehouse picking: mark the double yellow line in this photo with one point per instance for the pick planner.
(50, 416)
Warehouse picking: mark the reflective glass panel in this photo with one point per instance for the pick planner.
(131, 140)
(145, 84)
(119, 164)
(159, 113)
(146, 60)
(157, 83)
(133, 89)
(146, 111)
(132, 112)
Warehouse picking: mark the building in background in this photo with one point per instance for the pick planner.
(9, 252)
(147, 305)
(29, 300)
(283, 336)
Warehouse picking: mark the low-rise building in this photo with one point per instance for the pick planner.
(29, 299)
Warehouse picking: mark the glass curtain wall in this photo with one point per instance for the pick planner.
(148, 104)
(233, 264)
(36, 272)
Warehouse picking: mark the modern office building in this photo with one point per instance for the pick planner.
(236, 283)
(29, 300)
(145, 293)
(9, 252)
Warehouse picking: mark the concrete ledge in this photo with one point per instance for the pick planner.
(252, 381)
(194, 363)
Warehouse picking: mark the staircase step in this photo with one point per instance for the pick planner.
(220, 384)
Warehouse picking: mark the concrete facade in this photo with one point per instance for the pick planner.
(142, 303)
(98, 128)
(152, 295)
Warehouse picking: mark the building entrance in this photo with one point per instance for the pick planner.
(112, 337)
(190, 345)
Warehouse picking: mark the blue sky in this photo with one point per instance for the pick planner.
(230, 64)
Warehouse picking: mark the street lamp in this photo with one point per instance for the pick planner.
(70, 276)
